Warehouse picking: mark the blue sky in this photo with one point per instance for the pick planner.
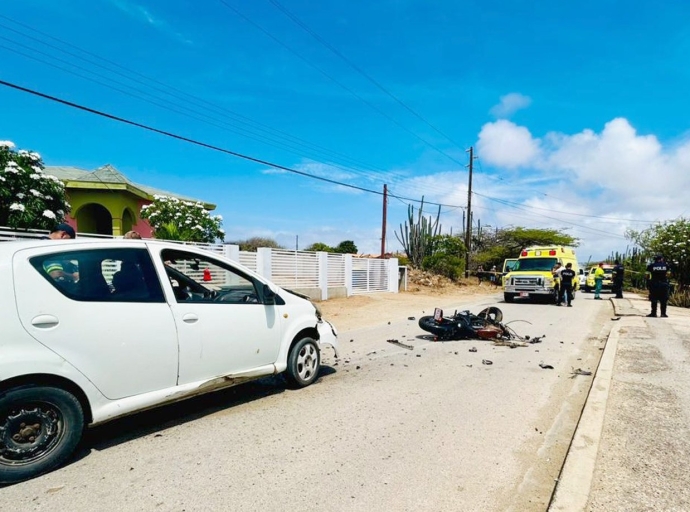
(578, 112)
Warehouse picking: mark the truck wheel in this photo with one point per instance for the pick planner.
(304, 362)
(40, 427)
(508, 297)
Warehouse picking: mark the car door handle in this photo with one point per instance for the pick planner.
(190, 318)
(45, 321)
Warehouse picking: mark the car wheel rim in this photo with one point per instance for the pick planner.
(307, 361)
(28, 433)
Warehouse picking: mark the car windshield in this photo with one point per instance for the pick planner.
(538, 264)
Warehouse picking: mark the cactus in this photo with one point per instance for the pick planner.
(417, 237)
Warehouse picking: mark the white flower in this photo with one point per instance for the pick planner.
(34, 156)
(49, 198)
(13, 170)
(23, 152)
(35, 193)
(35, 176)
(17, 207)
(48, 214)
(21, 195)
(221, 231)
(218, 217)
(60, 213)
(2, 178)
(6, 144)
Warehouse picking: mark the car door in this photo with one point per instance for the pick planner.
(124, 342)
(222, 326)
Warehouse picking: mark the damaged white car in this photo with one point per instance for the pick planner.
(95, 330)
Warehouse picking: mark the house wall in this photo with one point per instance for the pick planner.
(116, 202)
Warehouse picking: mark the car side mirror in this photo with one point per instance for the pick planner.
(269, 296)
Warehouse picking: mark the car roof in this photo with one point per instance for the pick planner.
(8, 248)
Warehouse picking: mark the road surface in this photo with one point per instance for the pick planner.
(428, 429)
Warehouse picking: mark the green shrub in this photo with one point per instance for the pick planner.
(680, 298)
(451, 267)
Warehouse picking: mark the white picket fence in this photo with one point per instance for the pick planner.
(320, 273)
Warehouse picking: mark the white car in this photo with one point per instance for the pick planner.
(95, 330)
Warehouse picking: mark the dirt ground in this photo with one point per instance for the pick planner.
(372, 309)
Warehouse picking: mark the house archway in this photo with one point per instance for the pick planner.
(128, 220)
(94, 218)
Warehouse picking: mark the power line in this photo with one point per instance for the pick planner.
(359, 70)
(176, 92)
(340, 84)
(510, 203)
(196, 142)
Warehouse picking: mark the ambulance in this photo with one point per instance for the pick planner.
(531, 277)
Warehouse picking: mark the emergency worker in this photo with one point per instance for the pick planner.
(618, 276)
(598, 280)
(657, 284)
(556, 273)
(567, 277)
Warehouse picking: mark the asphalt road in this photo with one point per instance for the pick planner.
(428, 429)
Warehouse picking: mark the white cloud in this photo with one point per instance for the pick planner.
(505, 144)
(509, 104)
(143, 14)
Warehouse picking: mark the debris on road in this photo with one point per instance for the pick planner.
(487, 361)
(473, 349)
(399, 344)
(545, 366)
(580, 371)
(511, 344)
(411, 318)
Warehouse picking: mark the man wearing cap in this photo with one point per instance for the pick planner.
(61, 270)
(62, 232)
(657, 284)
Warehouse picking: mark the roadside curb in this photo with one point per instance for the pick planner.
(575, 481)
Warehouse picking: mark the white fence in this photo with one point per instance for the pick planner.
(319, 274)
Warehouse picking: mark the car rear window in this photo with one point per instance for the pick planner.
(102, 275)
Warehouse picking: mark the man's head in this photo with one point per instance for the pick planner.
(601, 265)
(658, 257)
(568, 265)
(62, 232)
(132, 235)
(617, 262)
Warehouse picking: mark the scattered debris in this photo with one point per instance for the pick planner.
(371, 353)
(536, 339)
(351, 341)
(419, 355)
(55, 489)
(469, 365)
(487, 361)
(615, 318)
(358, 367)
(580, 371)
(411, 318)
(473, 349)
(545, 366)
(511, 344)
(403, 345)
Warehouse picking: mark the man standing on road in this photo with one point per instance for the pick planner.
(556, 273)
(567, 277)
(657, 284)
(618, 276)
(598, 280)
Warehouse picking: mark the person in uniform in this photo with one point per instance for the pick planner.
(567, 278)
(598, 280)
(618, 276)
(657, 284)
(556, 273)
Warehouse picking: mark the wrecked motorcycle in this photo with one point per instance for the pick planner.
(465, 325)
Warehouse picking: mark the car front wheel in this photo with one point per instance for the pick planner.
(40, 427)
(304, 362)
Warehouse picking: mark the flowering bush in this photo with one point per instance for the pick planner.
(672, 240)
(29, 198)
(174, 219)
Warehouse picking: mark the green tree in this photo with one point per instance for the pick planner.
(346, 247)
(252, 244)
(320, 247)
(671, 239)
(174, 219)
(29, 198)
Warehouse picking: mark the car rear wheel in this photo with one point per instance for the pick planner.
(304, 362)
(40, 427)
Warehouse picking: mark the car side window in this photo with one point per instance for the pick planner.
(197, 278)
(102, 275)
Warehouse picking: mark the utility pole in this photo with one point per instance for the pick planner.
(297, 242)
(383, 227)
(468, 231)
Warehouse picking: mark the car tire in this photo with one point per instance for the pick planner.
(40, 427)
(508, 297)
(304, 361)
